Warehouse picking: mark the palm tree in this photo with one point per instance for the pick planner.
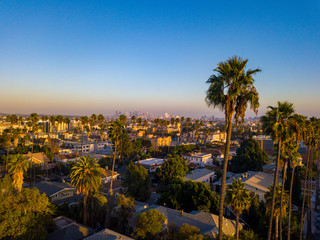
(275, 124)
(17, 166)
(292, 150)
(86, 178)
(231, 90)
(115, 131)
(67, 121)
(52, 120)
(277, 203)
(239, 199)
(96, 203)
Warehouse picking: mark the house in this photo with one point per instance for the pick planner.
(37, 158)
(107, 175)
(207, 223)
(57, 192)
(198, 158)
(69, 230)
(66, 158)
(40, 159)
(151, 164)
(257, 182)
(200, 175)
(107, 234)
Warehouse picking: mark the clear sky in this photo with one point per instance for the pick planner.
(83, 57)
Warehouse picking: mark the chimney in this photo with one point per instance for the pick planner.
(181, 212)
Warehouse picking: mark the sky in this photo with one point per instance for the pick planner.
(82, 57)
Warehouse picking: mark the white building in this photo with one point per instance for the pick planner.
(151, 164)
(199, 158)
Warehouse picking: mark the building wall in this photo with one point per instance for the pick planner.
(62, 195)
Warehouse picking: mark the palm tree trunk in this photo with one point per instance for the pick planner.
(274, 191)
(309, 196)
(304, 196)
(276, 237)
(290, 199)
(282, 190)
(223, 181)
(113, 163)
(237, 225)
(85, 210)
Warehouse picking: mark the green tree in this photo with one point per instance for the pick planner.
(275, 124)
(96, 207)
(171, 169)
(188, 232)
(231, 90)
(86, 178)
(149, 223)
(190, 196)
(17, 166)
(249, 156)
(239, 199)
(122, 214)
(137, 181)
(25, 216)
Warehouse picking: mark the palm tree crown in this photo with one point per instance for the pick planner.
(17, 166)
(86, 177)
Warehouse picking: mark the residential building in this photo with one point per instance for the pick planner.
(198, 158)
(66, 158)
(160, 142)
(201, 175)
(107, 175)
(257, 182)
(107, 234)
(69, 230)
(57, 192)
(151, 164)
(207, 223)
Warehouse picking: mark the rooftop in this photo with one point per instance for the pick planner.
(151, 161)
(107, 234)
(198, 173)
(50, 188)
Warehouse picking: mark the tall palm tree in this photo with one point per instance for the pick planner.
(17, 166)
(239, 199)
(275, 124)
(277, 203)
(86, 178)
(52, 120)
(115, 131)
(231, 90)
(67, 121)
(293, 154)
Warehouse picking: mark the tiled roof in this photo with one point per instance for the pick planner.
(38, 158)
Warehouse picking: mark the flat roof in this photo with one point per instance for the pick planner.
(198, 173)
(151, 161)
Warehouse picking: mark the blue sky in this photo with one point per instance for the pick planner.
(83, 57)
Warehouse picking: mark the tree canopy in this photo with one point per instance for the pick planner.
(249, 156)
(173, 168)
(137, 181)
(24, 215)
(149, 223)
(190, 196)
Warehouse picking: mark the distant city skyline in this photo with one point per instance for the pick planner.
(83, 57)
